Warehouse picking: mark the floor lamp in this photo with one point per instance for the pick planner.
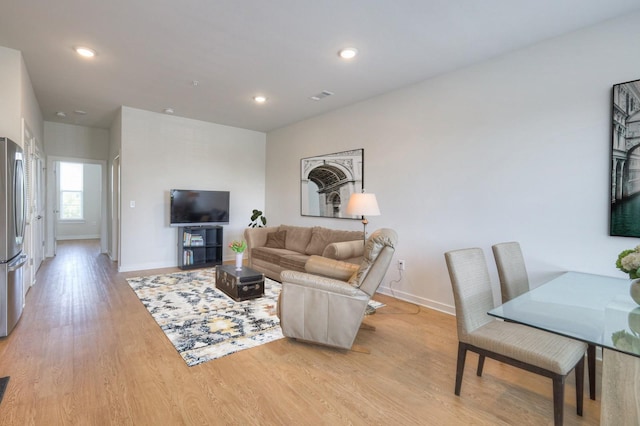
(363, 204)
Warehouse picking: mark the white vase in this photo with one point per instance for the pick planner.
(239, 261)
(634, 290)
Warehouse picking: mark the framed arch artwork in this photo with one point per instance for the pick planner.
(327, 181)
(625, 160)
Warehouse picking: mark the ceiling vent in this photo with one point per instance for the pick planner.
(321, 95)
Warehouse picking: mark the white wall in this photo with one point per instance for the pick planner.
(17, 99)
(90, 226)
(10, 89)
(30, 109)
(113, 206)
(516, 148)
(160, 152)
(73, 141)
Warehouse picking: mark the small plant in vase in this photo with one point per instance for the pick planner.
(238, 247)
(629, 263)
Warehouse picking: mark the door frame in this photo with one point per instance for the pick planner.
(28, 142)
(40, 212)
(115, 209)
(52, 200)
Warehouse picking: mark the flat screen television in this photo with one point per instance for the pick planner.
(191, 207)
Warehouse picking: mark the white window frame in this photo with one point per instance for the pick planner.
(73, 190)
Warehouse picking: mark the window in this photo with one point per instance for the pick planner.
(71, 191)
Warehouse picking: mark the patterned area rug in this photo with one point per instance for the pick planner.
(201, 321)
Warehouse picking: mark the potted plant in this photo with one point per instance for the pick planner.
(238, 247)
(629, 262)
(258, 220)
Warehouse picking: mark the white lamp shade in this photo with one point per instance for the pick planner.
(363, 205)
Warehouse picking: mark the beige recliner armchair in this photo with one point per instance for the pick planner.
(326, 304)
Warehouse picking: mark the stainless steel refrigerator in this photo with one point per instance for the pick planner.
(13, 204)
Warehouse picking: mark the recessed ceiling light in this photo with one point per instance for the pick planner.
(260, 99)
(61, 114)
(348, 53)
(85, 51)
(168, 111)
(80, 112)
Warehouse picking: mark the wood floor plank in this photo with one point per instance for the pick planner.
(87, 352)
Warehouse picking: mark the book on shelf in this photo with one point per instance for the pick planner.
(197, 240)
(189, 239)
(187, 257)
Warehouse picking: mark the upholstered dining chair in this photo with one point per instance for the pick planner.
(514, 281)
(326, 304)
(524, 347)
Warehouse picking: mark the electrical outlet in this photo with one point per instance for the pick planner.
(401, 265)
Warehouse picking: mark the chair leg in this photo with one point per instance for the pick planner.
(579, 370)
(462, 355)
(558, 400)
(480, 365)
(591, 366)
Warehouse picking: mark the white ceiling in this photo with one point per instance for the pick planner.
(150, 51)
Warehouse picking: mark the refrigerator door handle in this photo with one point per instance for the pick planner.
(20, 199)
(17, 264)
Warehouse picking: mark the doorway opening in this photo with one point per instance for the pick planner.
(77, 194)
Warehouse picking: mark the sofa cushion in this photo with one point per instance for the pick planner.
(271, 255)
(294, 262)
(298, 237)
(322, 237)
(276, 239)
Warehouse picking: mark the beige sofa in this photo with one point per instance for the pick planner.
(274, 249)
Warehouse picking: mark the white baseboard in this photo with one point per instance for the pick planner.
(77, 237)
(407, 297)
(146, 266)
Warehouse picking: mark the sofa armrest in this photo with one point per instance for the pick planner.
(315, 282)
(344, 250)
(336, 269)
(257, 237)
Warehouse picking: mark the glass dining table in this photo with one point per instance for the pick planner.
(598, 310)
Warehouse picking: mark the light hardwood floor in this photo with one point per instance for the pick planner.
(87, 352)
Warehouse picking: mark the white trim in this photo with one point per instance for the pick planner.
(146, 266)
(79, 237)
(407, 297)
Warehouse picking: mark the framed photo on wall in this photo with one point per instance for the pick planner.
(625, 160)
(327, 181)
